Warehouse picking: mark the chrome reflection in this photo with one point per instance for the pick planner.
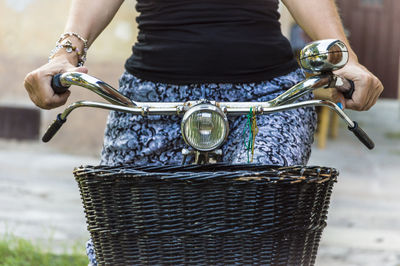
(324, 56)
(99, 87)
(303, 88)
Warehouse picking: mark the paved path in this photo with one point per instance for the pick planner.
(364, 217)
(39, 199)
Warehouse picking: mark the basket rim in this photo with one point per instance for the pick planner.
(218, 171)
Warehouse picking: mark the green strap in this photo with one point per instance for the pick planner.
(248, 143)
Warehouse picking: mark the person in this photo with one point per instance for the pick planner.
(215, 49)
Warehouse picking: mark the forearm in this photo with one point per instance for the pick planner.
(88, 18)
(319, 19)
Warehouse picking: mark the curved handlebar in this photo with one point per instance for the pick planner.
(61, 82)
(119, 102)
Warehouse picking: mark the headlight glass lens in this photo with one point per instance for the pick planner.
(205, 129)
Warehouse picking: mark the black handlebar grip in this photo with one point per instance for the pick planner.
(348, 94)
(362, 136)
(53, 128)
(58, 88)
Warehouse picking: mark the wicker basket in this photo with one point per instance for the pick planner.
(215, 214)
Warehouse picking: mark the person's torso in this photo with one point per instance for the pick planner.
(203, 41)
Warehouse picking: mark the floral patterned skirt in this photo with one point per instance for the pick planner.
(284, 138)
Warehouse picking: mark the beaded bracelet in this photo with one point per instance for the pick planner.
(69, 34)
(66, 44)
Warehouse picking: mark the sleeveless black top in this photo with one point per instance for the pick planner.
(208, 41)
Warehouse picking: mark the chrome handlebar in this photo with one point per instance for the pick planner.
(106, 91)
(119, 102)
(61, 83)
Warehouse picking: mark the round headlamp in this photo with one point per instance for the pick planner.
(204, 127)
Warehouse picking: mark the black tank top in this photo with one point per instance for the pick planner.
(207, 41)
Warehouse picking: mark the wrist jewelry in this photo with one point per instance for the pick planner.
(66, 44)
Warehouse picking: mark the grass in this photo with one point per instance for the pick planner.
(20, 252)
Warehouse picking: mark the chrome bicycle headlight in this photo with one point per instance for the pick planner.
(204, 127)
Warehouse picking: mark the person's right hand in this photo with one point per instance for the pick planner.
(37, 83)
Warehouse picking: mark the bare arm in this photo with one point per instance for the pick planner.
(88, 18)
(320, 20)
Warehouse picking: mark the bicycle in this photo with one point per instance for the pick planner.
(152, 214)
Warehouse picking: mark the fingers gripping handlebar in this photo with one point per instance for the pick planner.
(348, 94)
(346, 86)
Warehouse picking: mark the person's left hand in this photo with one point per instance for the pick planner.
(367, 87)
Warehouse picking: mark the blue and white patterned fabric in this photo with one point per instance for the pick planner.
(284, 138)
(90, 253)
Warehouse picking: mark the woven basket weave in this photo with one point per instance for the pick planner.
(214, 214)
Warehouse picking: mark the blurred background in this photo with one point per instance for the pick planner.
(39, 199)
